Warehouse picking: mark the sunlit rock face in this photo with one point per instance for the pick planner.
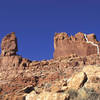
(65, 45)
(9, 45)
(22, 79)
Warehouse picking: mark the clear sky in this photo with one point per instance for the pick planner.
(36, 21)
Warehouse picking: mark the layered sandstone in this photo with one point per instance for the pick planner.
(65, 45)
(9, 45)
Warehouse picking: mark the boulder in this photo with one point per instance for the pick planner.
(93, 75)
(15, 97)
(77, 81)
(47, 96)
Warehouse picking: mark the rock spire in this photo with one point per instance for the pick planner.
(9, 45)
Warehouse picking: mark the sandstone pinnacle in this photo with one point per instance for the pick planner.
(9, 45)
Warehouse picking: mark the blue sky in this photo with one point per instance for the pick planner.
(36, 21)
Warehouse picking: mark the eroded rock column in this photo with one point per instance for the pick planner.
(9, 45)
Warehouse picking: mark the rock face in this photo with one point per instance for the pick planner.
(93, 74)
(65, 45)
(77, 81)
(47, 96)
(22, 79)
(9, 45)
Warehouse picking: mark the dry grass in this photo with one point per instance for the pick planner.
(83, 94)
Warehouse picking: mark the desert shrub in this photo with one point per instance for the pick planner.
(73, 94)
(83, 94)
(91, 94)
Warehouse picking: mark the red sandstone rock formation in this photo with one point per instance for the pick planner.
(16, 72)
(65, 45)
(9, 45)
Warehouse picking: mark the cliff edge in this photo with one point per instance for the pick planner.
(66, 46)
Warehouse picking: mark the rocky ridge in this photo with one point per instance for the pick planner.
(66, 46)
(22, 79)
